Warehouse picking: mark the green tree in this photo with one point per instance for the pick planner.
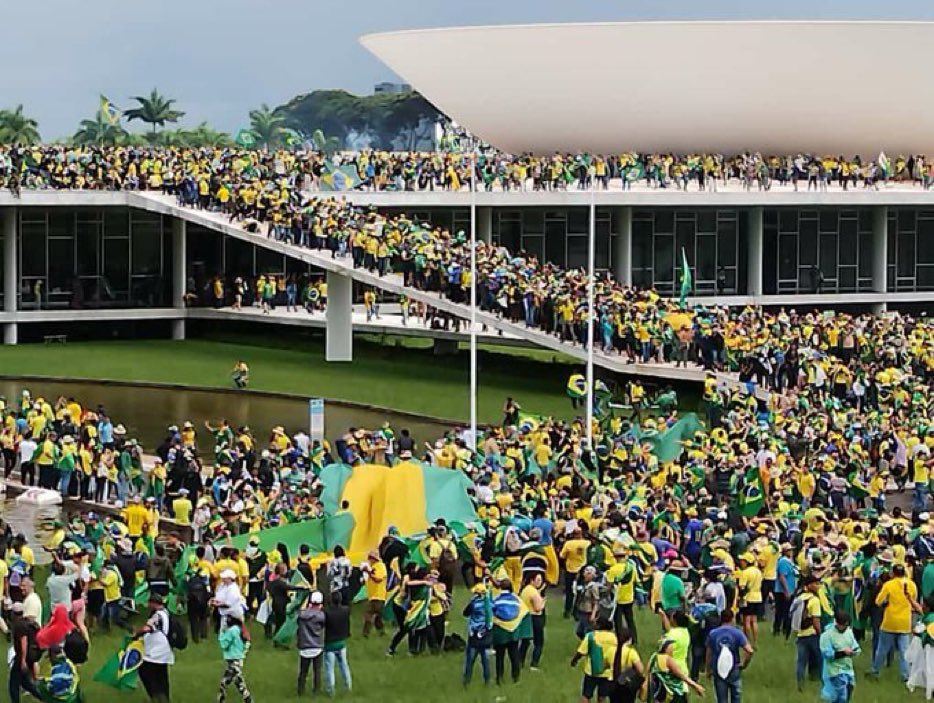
(17, 128)
(155, 110)
(100, 130)
(205, 135)
(266, 125)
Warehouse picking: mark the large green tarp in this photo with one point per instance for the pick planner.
(446, 495)
(334, 477)
(667, 445)
(321, 534)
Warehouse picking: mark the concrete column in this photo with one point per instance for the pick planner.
(339, 318)
(622, 246)
(754, 253)
(880, 248)
(179, 273)
(485, 224)
(10, 272)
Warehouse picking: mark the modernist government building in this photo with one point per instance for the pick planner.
(124, 260)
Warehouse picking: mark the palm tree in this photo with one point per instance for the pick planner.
(99, 131)
(266, 126)
(155, 110)
(17, 128)
(205, 135)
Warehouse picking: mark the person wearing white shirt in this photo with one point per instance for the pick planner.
(157, 652)
(27, 469)
(227, 598)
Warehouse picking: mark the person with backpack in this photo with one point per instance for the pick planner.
(198, 587)
(479, 614)
(628, 672)
(598, 649)
(728, 654)
(157, 651)
(234, 641)
(806, 611)
(587, 602)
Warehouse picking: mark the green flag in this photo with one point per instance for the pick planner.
(245, 138)
(121, 670)
(686, 282)
(752, 497)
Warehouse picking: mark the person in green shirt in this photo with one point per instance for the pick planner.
(673, 596)
(838, 646)
(234, 649)
(66, 464)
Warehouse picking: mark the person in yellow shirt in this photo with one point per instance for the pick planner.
(135, 516)
(376, 577)
(808, 636)
(899, 598)
(181, 507)
(749, 581)
(598, 650)
(623, 576)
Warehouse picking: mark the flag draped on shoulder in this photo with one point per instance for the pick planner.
(121, 670)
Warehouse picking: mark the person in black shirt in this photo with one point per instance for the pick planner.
(26, 654)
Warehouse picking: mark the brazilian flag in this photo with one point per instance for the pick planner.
(752, 496)
(121, 671)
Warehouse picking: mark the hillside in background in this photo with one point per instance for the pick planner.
(382, 121)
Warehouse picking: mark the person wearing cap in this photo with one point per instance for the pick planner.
(623, 576)
(898, 598)
(479, 615)
(310, 641)
(157, 652)
(376, 578)
(227, 597)
(808, 639)
(786, 584)
(24, 669)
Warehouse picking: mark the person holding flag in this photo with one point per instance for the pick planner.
(479, 614)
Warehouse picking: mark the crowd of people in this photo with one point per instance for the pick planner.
(154, 168)
(775, 508)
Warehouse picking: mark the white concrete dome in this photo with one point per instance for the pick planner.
(779, 87)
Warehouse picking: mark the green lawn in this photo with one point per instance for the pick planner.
(271, 673)
(399, 377)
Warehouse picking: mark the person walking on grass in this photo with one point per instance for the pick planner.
(838, 646)
(728, 653)
(598, 650)
(234, 642)
(157, 652)
(336, 634)
(898, 597)
(311, 625)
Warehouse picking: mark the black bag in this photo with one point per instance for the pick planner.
(454, 643)
(177, 634)
(628, 680)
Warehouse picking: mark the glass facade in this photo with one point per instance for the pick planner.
(910, 250)
(558, 236)
(713, 240)
(92, 258)
(809, 251)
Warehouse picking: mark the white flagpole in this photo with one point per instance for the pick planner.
(591, 247)
(473, 295)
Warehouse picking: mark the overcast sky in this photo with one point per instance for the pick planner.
(221, 58)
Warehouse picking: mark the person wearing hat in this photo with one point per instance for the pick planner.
(24, 669)
(157, 652)
(227, 597)
(808, 639)
(623, 576)
(310, 641)
(376, 578)
(898, 598)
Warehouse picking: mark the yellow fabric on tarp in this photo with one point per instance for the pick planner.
(378, 497)
(677, 320)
